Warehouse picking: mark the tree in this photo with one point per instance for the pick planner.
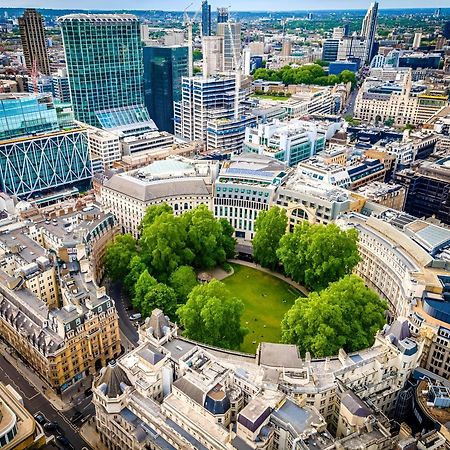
(205, 237)
(227, 238)
(212, 316)
(143, 285)
(345, 315)
(164, 246)
(151, 213)
(316, 255)
(160, 296)
(118, 255)
(183, 280)
(135, 268)
(347, 76)
(270, 226)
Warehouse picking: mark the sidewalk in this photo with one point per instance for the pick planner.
(40, 385)
(91, 436)
(301, 288)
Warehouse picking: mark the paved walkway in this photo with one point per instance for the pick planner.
(301, 288)
(90, 435)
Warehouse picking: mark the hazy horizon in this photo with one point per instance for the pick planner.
(251, 5)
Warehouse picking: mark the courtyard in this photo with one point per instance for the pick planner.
(266, 298)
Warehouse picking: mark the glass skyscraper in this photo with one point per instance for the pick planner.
(206, 18)
(104, 63)
(163, 69)
(41, 149)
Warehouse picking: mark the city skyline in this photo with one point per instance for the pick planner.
(252, 5)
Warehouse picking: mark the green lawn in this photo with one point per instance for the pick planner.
(263, 297)
(270, 97)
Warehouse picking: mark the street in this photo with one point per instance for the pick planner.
(127, 328)
(35, 402)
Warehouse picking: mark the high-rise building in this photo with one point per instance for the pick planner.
(231, 32)
(32, 34)
(353, 48)
(330, 50)
(206, 18)
(369, 28)
(222, 15)
(417, 40)
(36, 153)
(212, 48)
(203, 100)
(164, 68)
(61, 90)
(104, 63)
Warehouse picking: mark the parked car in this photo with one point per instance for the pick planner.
(40, 418)
(51, 426)
(62, 440)
(136, 316)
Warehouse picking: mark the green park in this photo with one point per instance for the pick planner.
(249, 304)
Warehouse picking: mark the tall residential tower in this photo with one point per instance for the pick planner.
(32, 34)
(104, 64)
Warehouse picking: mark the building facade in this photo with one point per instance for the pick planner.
(32, 35)
(164, 68)
(106, 83)
(36, 153)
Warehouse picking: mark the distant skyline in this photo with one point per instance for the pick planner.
(237, 5)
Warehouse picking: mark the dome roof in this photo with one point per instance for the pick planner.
(113, 380)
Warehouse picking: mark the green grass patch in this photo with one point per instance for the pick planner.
(270, 97)
(266, 300)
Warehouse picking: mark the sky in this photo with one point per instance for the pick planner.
(237, 5)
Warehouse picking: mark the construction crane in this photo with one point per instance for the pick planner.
(188, 23)
(34, 76)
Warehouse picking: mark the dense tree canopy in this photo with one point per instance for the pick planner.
(163, 244)
(160, 296)
(135, 268)
(316, 255)
(183, 280)
(118, 256)
(270, 226)
(345, 315)
(204, 237)
(143, 285)
(306, 74)
(212, 316)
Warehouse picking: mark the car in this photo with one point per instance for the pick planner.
(62, 440)
(51, 426)
(40, 418)
(136, 316)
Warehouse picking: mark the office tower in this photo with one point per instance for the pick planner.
(286, 48)
(61, 90)
(369, 28)
(203, 99)
(440, 43)
(353, 48)
(222, 15)
(104, 63)
(164, 68)
(206, 18)
(417, 40)
(231, 32)
(36, 153)
(246, 61)
(212, 48)
(330, 50)
(32, 35)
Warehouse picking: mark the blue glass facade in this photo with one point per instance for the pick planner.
(164, 68)
(23, 114)
(206, 18)
(104, 62)
(35, 154)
